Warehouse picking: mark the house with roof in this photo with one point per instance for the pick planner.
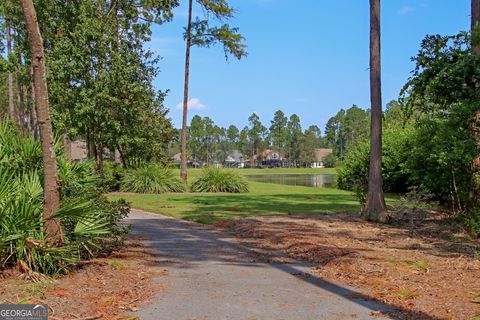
(177, 158)
(268, 158)
(235, 159)
(320, 155)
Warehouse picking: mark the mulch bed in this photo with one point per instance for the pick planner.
(428, 268)
(107, 288)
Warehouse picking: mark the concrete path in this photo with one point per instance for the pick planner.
(211, 277)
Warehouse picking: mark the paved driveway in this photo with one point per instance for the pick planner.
(210, 276)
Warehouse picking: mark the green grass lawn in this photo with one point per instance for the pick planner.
(263, 199)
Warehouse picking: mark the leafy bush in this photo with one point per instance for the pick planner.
(441, 156)
(330, 161)
(112, 176)
(78, 179)
(471, 219)
(353, 174)
(415, 198)
(220, 180)
(18, 154)
(151, 179)
(89, 221)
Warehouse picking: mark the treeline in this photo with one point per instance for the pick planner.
(99, 74)
(209, 143)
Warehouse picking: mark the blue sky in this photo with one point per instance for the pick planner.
(308, 57)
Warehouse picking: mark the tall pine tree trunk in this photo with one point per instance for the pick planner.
(183, 157)
(99, 157)
(11, 103)
(52, 227)
(28, 114)
(33, 105)
(375, 208)
(21, 101)
(475, 29)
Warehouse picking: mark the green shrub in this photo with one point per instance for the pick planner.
(220, 180)
(78, 179)
(18, 154)
(441, 156)
(112, 176)
(471, 219)
(89, 221)
(21, 233)
(151, 179)
(353, 173)
(330, 161)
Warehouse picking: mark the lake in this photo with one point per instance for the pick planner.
(306, 180)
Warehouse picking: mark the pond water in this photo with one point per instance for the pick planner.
(306, 180)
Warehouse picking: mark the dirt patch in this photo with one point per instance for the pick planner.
(429, 268)
(106, 288)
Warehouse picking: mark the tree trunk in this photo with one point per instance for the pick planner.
(375, 208)
(21, 101)
(99, 157)
(32, 105)
(183, 157)
(52, 227)
(475, 27)
(11, 103)
(28, 118)
(67, 145)
(475, 127)
(35, 129)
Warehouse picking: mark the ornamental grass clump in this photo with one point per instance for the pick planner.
(151, 178)
(220, 180)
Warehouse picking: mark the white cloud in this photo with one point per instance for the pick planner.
(193, 104)
(405, 10)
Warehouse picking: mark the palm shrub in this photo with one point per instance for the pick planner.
(21, 232)
(220, 180)
(88, 220)
(151, 178)
(17, 153)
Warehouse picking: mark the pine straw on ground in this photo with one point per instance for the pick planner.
(428, 268)
(106, 288)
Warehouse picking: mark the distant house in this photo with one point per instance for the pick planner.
(78, 150)
(320, 155)
(268, 158)
(177, 158)
(235, 159)
(268, 154)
